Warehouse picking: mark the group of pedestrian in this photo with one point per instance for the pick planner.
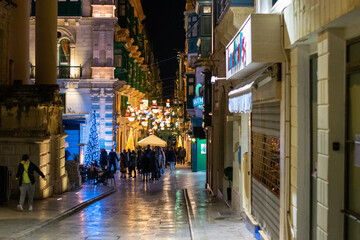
(128, 162)
(180, 154)
(108, 161)
(144, 162)
(149, 163)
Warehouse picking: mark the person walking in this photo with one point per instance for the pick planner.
(112, 160)
(160, 161)
(103, 160)
(177, 153)
(139, 160)
(146, 164)
(155, 164)
(25, 175)
(172, 159)
(128, 155)
(182, 155)
(133, 159)
(123, 164)
(163, 165)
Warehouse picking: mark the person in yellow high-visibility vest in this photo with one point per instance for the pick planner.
(25, 175)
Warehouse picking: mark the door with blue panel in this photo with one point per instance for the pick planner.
(194, 156)
(73, 139)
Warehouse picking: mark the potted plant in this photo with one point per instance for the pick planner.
(228, 172)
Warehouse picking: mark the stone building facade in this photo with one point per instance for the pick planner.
(85, 69)
(31, 119)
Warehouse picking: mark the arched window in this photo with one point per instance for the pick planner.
(64, 52)
(64, 58)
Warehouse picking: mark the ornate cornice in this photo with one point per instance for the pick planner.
(132, 49)
(122, 35)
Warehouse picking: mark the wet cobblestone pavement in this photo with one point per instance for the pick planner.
(156, 210)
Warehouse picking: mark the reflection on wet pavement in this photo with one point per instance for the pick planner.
(156, 210)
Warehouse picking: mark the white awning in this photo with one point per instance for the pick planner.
(240, 99)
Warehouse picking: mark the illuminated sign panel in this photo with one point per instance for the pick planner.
(198, 102)
(256, 45)
(238, 51)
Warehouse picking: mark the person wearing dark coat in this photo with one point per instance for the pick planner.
(112, 160)
(139, 160)
(25, 175)
(103, 159)
(157, 164)
(146, 164)
(172, 158)
(182, 155)
(128, 154)
(133, 159)
(123, 164)
(154, 165)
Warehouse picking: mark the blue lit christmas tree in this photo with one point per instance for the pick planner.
(93, 147)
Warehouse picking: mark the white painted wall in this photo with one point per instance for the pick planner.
(78, 100)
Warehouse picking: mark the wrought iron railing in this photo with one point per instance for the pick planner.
(71, 72)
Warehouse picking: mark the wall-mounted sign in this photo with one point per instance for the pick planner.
(238, 51)
(199, 90)
(236, 54)
(198, 102)
(203, 148)
(254, 46)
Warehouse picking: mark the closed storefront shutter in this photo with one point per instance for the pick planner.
(265, 163)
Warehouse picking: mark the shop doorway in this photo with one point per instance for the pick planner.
(352, 186)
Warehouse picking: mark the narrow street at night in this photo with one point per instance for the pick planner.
(152, 210)
(241, 115)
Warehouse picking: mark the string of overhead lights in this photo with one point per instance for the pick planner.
(154, 117)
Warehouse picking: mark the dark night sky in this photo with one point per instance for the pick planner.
(165, 25)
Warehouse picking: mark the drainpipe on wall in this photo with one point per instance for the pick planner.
(285, 221)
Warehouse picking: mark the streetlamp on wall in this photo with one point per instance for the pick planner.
(81, 157)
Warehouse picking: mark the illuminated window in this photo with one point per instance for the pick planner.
(118, 60)
(122, 10)
(64, 59)
(191, 80)
(191, 89)
(64, 52)
(103, 10)
(207, 10)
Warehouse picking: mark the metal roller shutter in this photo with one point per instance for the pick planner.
(265, 162)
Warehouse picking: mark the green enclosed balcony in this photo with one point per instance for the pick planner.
(121, 74)
(65, 8)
